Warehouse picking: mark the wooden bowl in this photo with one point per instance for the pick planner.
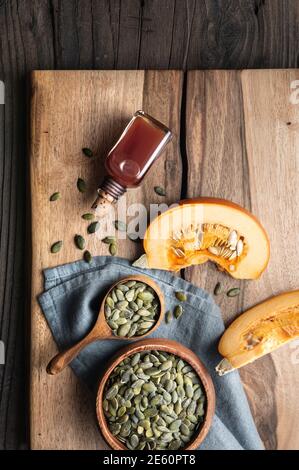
(172, 347)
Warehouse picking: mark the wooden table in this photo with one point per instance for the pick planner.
(105, 35)
(235, 137)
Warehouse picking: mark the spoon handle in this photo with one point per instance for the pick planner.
(62, 359)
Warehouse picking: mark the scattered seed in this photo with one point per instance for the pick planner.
(55, 197)
(88, 216)
(120, 225)
(87, 256)
(109, 240)
(56, 247)
(112, 249)
(233, 292)
(79, 242)
(181, 296)
(168, 317)
(93, 227)
(217, 289)
(160, 191)
(81, 185)
(87, 152)
(178, 311)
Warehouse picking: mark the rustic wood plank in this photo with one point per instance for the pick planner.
(242, 145)
(44, 34)
(71, 110)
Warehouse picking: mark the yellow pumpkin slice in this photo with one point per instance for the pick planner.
(259, 331)
(198, 230)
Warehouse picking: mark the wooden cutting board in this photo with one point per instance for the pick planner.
(237, 137)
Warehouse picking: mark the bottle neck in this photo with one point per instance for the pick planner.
(109, 193)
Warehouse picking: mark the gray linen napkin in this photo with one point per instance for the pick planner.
(71, 300)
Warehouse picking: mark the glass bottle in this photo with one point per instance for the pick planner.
(140, 144)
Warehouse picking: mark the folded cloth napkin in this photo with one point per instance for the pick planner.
(71, 300)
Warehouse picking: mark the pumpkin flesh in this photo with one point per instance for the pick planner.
(198, 230)
(259, 331)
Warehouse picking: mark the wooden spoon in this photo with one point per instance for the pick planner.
(102, 330)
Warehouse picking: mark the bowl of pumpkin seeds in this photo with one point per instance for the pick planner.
(134, 307)
(155, 395)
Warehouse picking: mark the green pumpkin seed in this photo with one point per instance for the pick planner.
(109, 240)
(146, 296)
(123, 330)
(55, 196)
(112, 249)
(87, 256)
(178, 311)
(151, 398)
(110, 302)
(217, 289)
(233, 292)
(88, 216)
(160, 191)
(112, 392)
(149, 387)
(81, 185)
(130, 295)
(181, 296)
(79, 242)
(93, 227)
(56, 247)
(87, 152)
(168, 317)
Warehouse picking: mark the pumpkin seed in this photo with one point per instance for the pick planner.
(178, 311)
(87, 152)
(142, 402)
(181, 296)
(56, 247)
(87, 256)
(233, 292)
(88, 216)
(112, 249)
(140, 320)
(120, 225)
(81, 185)
(168, 317)
(217, 289)
(109, 240)
(55, 196)
(160, 191)
(79, 242)
(93, 227)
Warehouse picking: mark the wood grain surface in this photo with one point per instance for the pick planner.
(69, 111)
(105, 34)
(242, 144)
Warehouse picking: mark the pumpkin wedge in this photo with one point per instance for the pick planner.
(259, 331)
(198, 230)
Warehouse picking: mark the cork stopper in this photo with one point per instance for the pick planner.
(109, 193)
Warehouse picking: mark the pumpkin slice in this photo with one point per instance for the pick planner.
(198, 230)
(259, 331)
